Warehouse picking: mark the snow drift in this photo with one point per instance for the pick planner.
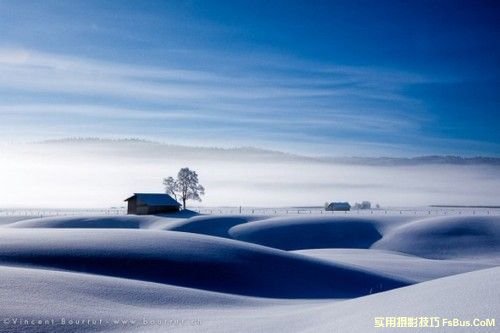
(396, 264)
(39, 294)
(294, 233)
(446, 237)
(104, 222)
(189, 260)
(212, 225)
(138, 268)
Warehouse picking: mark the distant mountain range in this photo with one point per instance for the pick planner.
(142, 148)
(432, 159)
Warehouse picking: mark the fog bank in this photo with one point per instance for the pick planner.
(101, 173)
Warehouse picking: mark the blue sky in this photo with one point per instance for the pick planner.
(316, 77)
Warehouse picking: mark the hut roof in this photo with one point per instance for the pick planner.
(155, 199)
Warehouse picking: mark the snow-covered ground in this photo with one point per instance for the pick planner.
(250, 273)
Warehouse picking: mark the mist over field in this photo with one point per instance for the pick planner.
(101, 173)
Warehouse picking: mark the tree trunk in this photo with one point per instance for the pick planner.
(184, 203)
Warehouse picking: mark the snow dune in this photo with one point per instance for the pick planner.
(294, 233)
(105, 291)
(100, 222)
(7, 220)
(33, 293)
(212, 225)
(189, 260)
(396, 264)
(232, 273)
(446, 237)
(104, 222)
(469, 295)
(27, 293)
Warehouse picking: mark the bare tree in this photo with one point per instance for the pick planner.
(185, 187)
(170, 186)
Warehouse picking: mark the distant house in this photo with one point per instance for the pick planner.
(151, 203)
(338, 206)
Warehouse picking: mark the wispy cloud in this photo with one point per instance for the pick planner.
(311, 101)
(30, 71)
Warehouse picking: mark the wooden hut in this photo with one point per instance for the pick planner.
(339, 206)
(151, 203)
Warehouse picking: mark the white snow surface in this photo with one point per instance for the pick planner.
(240, 273)
(397, 264)
(474, 237)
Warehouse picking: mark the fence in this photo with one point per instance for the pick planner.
(42, 212)
(390, 211)
(393, 211)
